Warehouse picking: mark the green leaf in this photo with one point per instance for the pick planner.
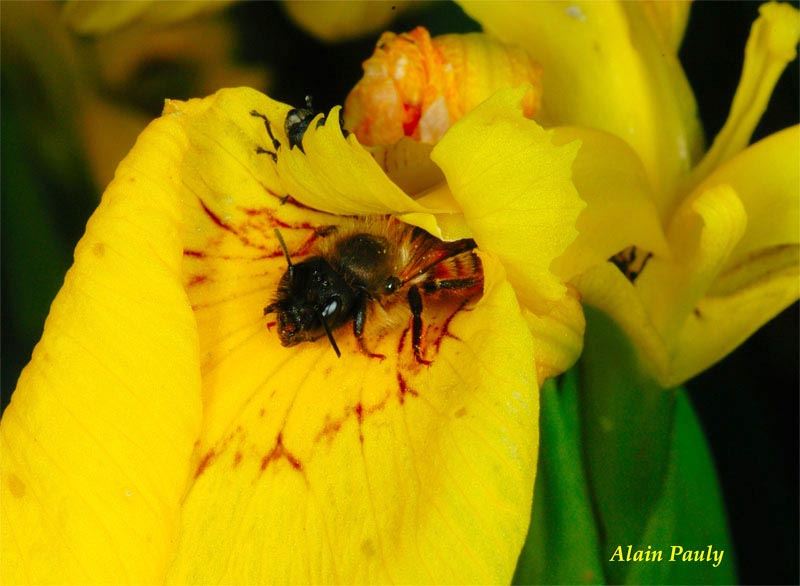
(562, 545)
(689, 514)
(650, 472)
(627, 425)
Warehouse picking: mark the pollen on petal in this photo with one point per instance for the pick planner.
(417, 86)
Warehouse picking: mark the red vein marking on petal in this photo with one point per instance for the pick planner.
(359, 411)
(205, 462)
(197, 280)
(401, 343)
(333, 426)
(237, 458)
(203, 255)
(445, 329)
(269, 214)
(215, 218)
(279, 451)
(404, 389)
(292, 201)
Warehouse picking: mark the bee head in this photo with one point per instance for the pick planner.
(312, 300)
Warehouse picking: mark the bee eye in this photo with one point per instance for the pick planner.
(392, 284)
(331, 307)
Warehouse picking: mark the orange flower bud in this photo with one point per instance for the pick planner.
(417, 86)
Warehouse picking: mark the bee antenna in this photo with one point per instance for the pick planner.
(285, 251)
(330, 334)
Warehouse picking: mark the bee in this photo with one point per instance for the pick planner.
(380, 263)
(295, 125)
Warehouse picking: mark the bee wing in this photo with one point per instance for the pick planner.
(430, 256)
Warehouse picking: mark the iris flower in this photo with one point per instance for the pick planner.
(161, 430)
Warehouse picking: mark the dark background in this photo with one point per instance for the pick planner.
(748, 403)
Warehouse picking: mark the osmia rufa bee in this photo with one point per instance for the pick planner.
(371, 266)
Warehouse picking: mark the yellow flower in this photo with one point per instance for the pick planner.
(721, 257)
(161, 431)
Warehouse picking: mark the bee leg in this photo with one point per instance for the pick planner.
(415, 303)
(276, 144)
(359, 320)
(263, 151)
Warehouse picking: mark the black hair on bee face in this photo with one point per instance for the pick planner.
(312, 299)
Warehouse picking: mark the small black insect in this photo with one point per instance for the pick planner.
(295, 125)
(630, 262)
(370, 262)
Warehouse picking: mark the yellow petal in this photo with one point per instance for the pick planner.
(668, 19)
(515, 190)
(416, 86)
(97, 439)
(309, 468)
(607, 289)
(104, 16)
(702, 235)
(324, 176)
(620, 210)
(313, 468)
(408, 164)
(605, 68)
(557, 331)
(340, 20)
(771, 46)
(766, 178)
(721, 323)
(318, 469)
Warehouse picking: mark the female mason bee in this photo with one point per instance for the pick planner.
(368, 262)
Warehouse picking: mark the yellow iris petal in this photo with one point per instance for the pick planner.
(766, 177)
(97, 439)
(668, 18)
(557, 329)
(620, 211)
(770, 48)
(723, 322)
(323, 177)
(607, 289)
(515, 190)
(306, 467)
(703, 234)
(351, 469)
(317, 469)
(514, 187)
(408, 164)
(597, 56)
